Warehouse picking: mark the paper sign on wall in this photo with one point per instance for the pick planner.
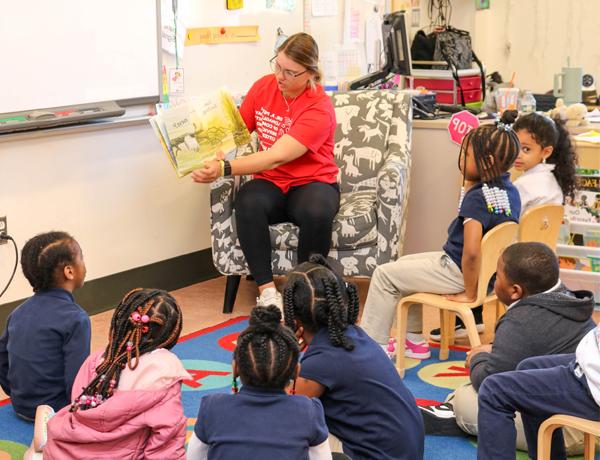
(217, 35)
(324, 8)
(176, 85)
(235, 4)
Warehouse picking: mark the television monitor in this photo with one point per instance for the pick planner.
(396, 49)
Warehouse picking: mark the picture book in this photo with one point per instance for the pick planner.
(585, 206)
(194, 132)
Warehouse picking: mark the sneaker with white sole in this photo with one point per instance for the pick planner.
(417, 350)
(440, 420)
(460, 332)
(270, 296)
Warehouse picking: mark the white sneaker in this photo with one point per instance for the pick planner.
(460, 332)
(270, 296)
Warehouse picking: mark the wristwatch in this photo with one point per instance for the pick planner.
(226, 168)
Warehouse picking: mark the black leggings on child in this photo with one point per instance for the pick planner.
(260, 203)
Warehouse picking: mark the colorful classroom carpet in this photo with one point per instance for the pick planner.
(206, 355)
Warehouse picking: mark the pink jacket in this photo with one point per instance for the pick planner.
(142, 420)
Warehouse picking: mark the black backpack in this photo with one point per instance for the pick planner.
(450, 45)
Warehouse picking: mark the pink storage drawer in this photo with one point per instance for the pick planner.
(447, 97)
(434, 84)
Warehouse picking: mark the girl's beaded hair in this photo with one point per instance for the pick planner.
(495, 147)
(320, 298)
(144, 321)
(267, 351)
(552, 132)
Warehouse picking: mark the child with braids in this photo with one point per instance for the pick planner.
(490, 199)
(547, 160)
(367, 407)
(261, 421)
(47, 337)
(127, 398)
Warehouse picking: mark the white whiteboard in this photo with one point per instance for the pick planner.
(68, 52)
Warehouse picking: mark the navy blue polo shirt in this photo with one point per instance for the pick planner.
(46, 340)
(366, 403)
(260, 423)
(475, 207)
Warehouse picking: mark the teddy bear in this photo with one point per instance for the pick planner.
(574, 115)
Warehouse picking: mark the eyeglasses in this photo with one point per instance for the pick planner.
(276, 68)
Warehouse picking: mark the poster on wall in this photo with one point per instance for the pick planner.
(284, 5)
(324, 8)
(352, 21)
(168, 30)
(482, 4)
(415, 17)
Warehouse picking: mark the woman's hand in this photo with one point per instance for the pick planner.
(210, 172)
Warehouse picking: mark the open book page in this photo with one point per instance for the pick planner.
(162, 137)
(196, 131)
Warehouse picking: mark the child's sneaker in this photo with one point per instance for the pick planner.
(390, 349)
(460, 332)
(417, 350)
(440, 420)
(270, 296)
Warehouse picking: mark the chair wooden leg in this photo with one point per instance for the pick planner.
(401, 325)
(469, 321)
(446, 329)
(233, 282)
(589, 446)
(545, 440)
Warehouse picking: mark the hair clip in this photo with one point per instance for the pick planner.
(503, 126)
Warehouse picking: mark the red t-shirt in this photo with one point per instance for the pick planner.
(310, 120)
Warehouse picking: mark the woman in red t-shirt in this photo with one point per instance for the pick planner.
(295, 175)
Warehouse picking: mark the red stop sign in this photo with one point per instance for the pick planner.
(460, 124)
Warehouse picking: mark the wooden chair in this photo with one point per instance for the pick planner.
(590, 430)
(492, 245)
(542, 224)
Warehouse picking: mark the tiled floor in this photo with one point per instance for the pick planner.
(202, 306)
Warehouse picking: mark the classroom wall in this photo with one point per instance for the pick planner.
(112, 189)
(235, 65)
(534, 38)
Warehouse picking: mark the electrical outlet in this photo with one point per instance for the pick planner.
(3, 228)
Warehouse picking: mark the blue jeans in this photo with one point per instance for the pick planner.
(540, 387)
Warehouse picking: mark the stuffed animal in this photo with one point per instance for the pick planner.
(574, 115)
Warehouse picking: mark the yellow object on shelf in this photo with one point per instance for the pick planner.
(224, 34)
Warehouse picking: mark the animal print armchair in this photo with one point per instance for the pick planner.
(373, 152)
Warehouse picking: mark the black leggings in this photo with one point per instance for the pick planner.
(260, 203)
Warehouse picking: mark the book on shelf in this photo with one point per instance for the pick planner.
(585, 206)
(194, 132)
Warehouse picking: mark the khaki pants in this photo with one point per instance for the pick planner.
(464, 401)
(432, 272)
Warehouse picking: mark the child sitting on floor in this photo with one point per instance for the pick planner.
(130, 406)
(540, 387)
(547, 160)
(486, 154)
(542, 318)
(367, 407)
(47, 338)
(261, 420)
